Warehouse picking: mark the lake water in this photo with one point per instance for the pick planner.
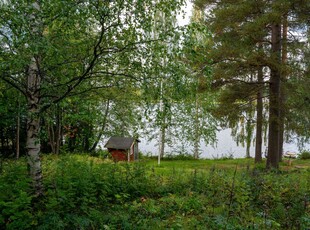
(224, 147)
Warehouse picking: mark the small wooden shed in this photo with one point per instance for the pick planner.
(123, 148)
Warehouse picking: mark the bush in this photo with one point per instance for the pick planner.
(304, 155)
(15, 196)
(83, 192)
(228, 156)
(180, 156)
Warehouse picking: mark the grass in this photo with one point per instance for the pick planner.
(227, 164)
(83, 192)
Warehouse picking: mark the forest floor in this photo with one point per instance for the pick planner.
(85, 192)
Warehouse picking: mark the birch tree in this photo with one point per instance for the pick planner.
(197, 123)
(51, 49)
(162, 88)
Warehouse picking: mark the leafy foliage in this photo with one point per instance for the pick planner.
(304, 155)
(53, 50)
(249, 54)
(84, 192)
(11, 107)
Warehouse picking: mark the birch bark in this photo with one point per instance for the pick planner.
(33, 109)
(33, 127)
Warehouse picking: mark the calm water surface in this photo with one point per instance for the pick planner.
(224, 147)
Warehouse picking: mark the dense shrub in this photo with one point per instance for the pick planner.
(304, 155)
(179, 156)
(88, 193)
(15, 200)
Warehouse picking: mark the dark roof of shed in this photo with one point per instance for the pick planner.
(120, 142)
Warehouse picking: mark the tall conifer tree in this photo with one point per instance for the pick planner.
(248, 38)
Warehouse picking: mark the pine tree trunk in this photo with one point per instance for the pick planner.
(274, 96)
(259, 118)
(249, 132)
(33, 127)
(282, 88)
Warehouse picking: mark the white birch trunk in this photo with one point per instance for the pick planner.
(197, 138)
(33, 119)
(33, 127)
(162, 130)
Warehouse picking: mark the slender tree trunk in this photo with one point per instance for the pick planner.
(282, 88)
(18, 138)
(72, 143)
(249, 128)
(86, 142)
(88, 131)
(162, 137)
(103, 125)
(58, 129)
(197, 139)
(51, 135)
(33, 127)
(2, 140)
(162, 131)
(259, 118)
(18, 132)
(54, 131)
(249, 137)
(274, 95)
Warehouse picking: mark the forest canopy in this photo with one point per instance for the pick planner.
(75, 72)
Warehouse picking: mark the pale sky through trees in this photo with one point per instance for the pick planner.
(188, 12)
(225, 144)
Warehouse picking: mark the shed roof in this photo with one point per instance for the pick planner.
(120, 142)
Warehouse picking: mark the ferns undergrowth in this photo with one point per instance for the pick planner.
(87, 193)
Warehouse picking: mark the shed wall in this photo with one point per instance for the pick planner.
(119, 155)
